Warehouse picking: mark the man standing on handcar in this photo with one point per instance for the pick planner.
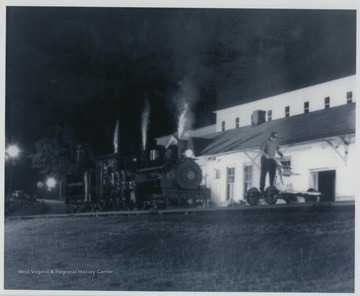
(268, 164)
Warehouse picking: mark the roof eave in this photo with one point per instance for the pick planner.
(301, 141)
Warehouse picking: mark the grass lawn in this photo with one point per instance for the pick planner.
(264, 250)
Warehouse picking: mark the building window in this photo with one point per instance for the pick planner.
(306, 107)
(248, 177)
(287, 111)
(230, 183)
(349, 97)
(269, 115)
(223, 126)
(217, 174)
(327, 102)
(237, 122)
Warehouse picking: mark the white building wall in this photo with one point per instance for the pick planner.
(305, 159)
(311, 158)
(213, 166)
(348, 181)
(315, 95)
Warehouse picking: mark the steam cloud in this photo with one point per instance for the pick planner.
(145, 122)
(184, 100)
(183, 121)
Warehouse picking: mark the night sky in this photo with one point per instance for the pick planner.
(87, 67)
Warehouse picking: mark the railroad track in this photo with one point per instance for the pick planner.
(185, 210)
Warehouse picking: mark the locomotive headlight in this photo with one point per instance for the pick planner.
(189, 153)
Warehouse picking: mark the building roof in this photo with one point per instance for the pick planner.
(321, 124)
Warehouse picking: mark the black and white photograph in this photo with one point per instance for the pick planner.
(179, 148)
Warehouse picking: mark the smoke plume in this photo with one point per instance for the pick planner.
(184, 100)
(145, 122)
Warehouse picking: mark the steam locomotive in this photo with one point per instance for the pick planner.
(163, 177)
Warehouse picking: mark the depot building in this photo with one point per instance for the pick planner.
(316, 128)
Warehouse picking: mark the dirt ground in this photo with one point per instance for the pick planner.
(304, 249)
(37, 207)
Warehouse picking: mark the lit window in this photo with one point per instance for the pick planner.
(223, 125)
(306, 107)
(287, 111)
(327, 102)
(349, 96)
(269, 115)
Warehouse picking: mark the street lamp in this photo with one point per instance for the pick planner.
(51, 183)
(11, 153)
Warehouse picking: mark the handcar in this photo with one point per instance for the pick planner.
(272, 193)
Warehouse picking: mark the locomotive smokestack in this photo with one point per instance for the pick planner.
(182, 146)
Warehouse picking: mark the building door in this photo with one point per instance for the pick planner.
(230, 183)
(217, 193)
(326, 184)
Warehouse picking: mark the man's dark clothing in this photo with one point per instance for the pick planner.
(267, 165)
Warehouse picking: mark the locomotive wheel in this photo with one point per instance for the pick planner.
(253, 196)
(270, 195)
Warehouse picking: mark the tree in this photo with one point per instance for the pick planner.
(55, 153)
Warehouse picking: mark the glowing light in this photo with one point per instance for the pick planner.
(50, 182)
(189, 153)
(13, 151)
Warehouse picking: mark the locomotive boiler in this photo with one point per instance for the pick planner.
(177, 178)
